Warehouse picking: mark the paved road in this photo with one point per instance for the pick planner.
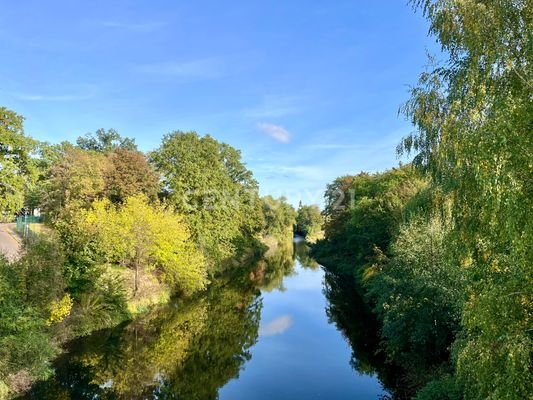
(9, 241)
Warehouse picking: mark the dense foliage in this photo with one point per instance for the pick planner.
(123, 233)
(309, 222)
(362, 214)
(189, 349)
(25, 297)
(146, 238)
(475, 117)
(103, 141)
(128, 173)
(447, 267)
(439, 251)
(207, 183)
(17, 171)
(279, 217)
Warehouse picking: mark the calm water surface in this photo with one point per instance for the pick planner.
(265, 335)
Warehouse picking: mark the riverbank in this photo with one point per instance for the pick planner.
(264, 333)
(93, 312)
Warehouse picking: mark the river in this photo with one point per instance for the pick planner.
(272, 333)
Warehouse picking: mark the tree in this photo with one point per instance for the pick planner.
(128, 173)
(280, 217)
(207, 183)
(147, 237)
(364, 212)
(337, 200)
(105, 141)
(45, 156)
(77, 178)
(474, 116)
(71, 175)
(418, 294)
(308, 221)
(29, 288)
(394, 265)
(17, 171)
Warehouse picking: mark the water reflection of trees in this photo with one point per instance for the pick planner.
(187, 350)
(353, 319)
(270, 271)
(301, 253)
(219, 351)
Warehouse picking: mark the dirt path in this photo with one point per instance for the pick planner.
(9, 242)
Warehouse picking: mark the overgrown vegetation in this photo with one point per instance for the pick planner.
(126, 232)
(442, 250)
(190, 349)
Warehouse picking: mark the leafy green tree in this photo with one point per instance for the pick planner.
(17, 171)
(309, 221)
(105, 141)
(44, 157)
(279, 217)
(376, 232)
(70, 175)
(418, 295)
(207, 183)
(337, 199)
(445, 388)
(364, 212)
(29, 288)
(474, 116)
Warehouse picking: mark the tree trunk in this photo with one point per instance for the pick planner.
(136, 285)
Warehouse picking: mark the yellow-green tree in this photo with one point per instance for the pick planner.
(147, 238)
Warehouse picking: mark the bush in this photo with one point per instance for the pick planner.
(444, 388)
(417, 292)
(26, 291)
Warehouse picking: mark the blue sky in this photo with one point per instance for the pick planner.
(307, 90)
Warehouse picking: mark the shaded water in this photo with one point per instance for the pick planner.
(275, 332)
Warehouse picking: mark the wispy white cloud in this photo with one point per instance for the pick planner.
(207, 68)
(275, 107)
(276, 132)
(276, 326)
